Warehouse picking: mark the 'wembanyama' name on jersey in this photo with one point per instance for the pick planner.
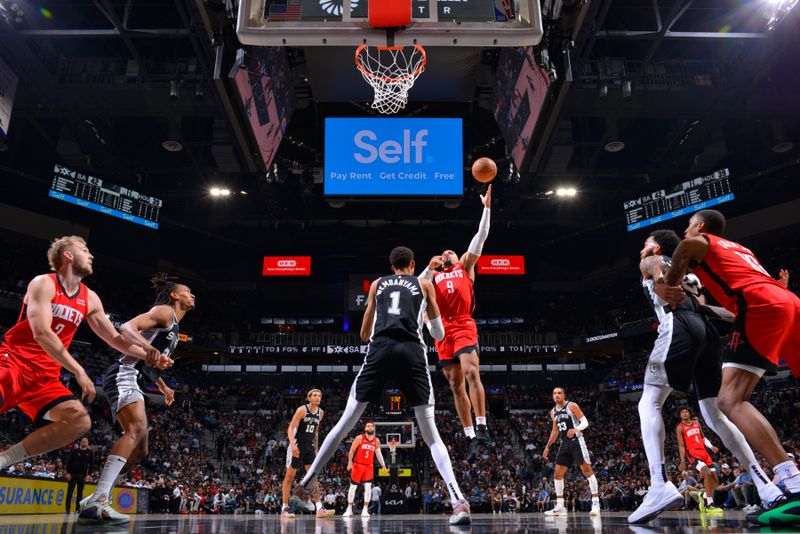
(400, 303)
(307, 428)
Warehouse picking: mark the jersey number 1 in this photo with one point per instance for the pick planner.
(394, 309)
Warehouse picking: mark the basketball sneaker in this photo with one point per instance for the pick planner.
(558, 510)
(348, 512)
(482, 435)
(783, 511)
(473, 449)
(324, 512)
(461, 514)
(286, 513)
(656, 501)
(701, 501)
(713, 509)
(364, 512)
(101, 513)
(595, 508)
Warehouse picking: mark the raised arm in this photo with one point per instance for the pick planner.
(369, 313)
(39, 310)
(470, 257)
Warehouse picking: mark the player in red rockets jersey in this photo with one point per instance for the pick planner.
(692, 445)
(767, 329)
(453, 278)
(36, 348)
(361, 464)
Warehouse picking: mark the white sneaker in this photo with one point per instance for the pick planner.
(656, 501)
(595, 508)
(364, 513)
(558, 510)
(102, 513)
(461, 513)
(348, 512)
(85, 502)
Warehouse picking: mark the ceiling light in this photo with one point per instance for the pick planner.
(614, 146)
(783, 147)
(335, 203)
(214, 191)
(225, 192)
(566, 192)
(242, 192)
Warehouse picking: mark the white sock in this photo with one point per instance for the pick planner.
(789, 474)
(367, 494)
(480, 420)
(560, 488)
(12, 455)
(593, 485)
(709, 498)
(352, 413)
(114, 465)
(427, 427)
(351, 495)
(469, 431)
(653, 433)
(734, 441)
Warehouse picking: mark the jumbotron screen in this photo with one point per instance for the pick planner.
(682, 199)
(95, 194)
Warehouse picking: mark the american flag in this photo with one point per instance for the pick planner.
(279, 12)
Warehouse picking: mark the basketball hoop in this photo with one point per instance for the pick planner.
(391, 71)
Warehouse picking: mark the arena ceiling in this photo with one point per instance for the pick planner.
(105, 82)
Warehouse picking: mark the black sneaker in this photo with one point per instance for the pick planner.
(474, 443)
(482, 434)
(778, 513)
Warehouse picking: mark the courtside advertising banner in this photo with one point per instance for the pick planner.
(30, 495)
(501, 265)
(394, 157)
(287, 266)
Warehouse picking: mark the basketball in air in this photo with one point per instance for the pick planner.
(484, 170)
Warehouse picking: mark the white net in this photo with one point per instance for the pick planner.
(391, 71)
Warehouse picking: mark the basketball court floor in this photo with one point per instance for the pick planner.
(481, 523)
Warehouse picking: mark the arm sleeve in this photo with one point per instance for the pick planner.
(436, 328)
(707, 443)
(583, 424)
(426, 274)
(476, 245)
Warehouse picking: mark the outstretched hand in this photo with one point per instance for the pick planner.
(673, 295)
(486, 199)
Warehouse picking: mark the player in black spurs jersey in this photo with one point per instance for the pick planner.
(568, 425)
(156, 329)
(303, 445)
(393, 325)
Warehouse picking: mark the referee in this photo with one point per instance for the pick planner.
(78, 463)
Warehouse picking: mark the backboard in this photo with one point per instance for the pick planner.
(470, 23)
(400, 431)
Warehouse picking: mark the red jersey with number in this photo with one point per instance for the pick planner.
(728, 268)
(454, 293)
(68, 313)
(366, 452)
(693, 437)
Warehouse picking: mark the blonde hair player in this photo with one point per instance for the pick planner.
(35, 349)
(303, 446)
(361, 464)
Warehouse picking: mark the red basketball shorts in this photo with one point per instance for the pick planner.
(769, 317)
(460, 337)
(698, 456)
(33, 395)
(362, 473)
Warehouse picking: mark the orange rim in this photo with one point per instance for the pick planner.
(368, 74)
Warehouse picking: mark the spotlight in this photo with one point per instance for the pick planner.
(215, 192)
(566, 192)
(225, 192)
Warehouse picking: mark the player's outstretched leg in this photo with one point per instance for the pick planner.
(427, 427)
(662, 494)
